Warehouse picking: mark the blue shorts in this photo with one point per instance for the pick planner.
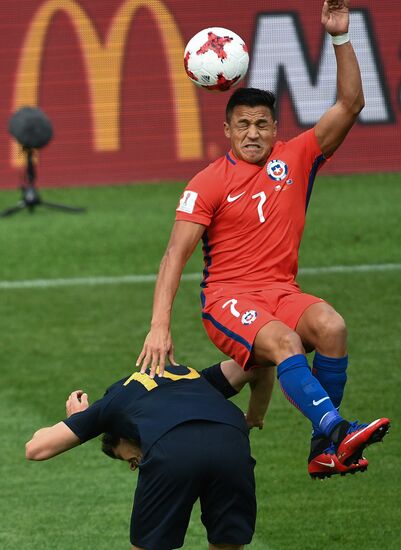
(198, 459)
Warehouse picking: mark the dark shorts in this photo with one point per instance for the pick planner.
(198, 459)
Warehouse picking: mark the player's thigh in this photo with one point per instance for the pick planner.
(233, 322)
(292, 306)
(168, 485)
(228, 500)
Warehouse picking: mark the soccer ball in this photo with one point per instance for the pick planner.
(216, 59)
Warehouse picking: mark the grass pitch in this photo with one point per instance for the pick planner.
(56, 339)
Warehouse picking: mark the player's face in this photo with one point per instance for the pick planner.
(252, 132)
(128, 451)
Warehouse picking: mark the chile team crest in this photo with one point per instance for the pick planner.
(249, 317)
(277, 170)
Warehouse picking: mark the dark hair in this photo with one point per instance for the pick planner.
(251, 97)
(109, 442)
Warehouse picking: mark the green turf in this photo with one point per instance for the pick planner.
(57, 339)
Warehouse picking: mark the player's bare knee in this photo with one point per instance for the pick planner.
(274, 343)
(331, 328)
(289, 344)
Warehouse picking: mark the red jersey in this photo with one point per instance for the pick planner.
(254, 216)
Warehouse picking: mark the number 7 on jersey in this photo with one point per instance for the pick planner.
(262, 197)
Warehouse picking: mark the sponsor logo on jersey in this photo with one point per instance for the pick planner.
(277, 170)
(187, 202)
(249, 317)
(232, 199)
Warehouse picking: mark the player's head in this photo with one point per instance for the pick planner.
(250, 97)
(117, 447)
(250, 124)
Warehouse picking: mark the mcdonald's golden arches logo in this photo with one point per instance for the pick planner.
(103, 62)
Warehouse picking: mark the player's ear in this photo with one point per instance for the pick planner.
(227, 132)
(275, 128)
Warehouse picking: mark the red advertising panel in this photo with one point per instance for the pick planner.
(109, 74)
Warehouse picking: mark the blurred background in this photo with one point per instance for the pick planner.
(129, 130)
(109, 74)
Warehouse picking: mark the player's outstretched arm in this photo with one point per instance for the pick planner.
(335, 124)
(53, 440)
(158, 343)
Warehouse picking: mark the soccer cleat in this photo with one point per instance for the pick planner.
(326, 464)
(359, 436)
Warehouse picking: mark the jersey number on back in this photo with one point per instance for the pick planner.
(151, 383)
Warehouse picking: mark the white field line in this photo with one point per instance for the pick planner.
(135, 279)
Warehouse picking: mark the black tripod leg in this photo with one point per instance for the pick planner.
(62, 207)
(13, 210)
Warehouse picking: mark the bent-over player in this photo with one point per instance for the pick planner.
(198, 448)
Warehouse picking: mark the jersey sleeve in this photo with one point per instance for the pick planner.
(200, 198)
(89, 423)
(309, 149)
(216, 378)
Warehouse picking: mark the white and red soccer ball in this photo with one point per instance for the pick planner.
(216, 59)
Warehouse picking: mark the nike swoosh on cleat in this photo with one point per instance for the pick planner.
(329, 464)
(364, 429)
(316, 403)
(232, 199)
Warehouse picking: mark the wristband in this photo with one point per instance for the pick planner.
(340, 39)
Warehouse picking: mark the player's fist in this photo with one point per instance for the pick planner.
(77, 401)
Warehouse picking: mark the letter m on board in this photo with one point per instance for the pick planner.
(281, 61)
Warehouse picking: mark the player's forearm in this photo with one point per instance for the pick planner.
(167, 284)
(50, 441)
(261, 387)
(38, 447)
(349, 82)
(183, 240)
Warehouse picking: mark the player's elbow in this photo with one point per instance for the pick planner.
(34, 450)
(176, 256)
(31, 453)
(351, 106)
(356, 106)
(360, 103)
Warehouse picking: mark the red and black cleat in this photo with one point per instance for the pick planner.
(359, 436)
(327, 464)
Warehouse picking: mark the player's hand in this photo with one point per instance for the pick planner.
(335, 16)
(254, 422)
(76, 402)
(158, 344)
